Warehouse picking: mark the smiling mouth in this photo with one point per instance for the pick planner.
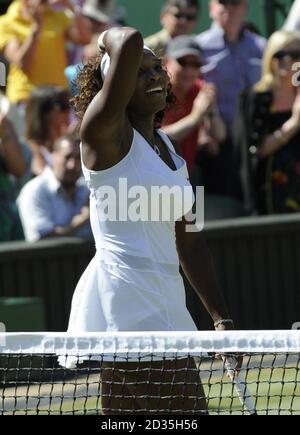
(155, 91)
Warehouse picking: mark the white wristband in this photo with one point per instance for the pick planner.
(100, 42)
(223, 322)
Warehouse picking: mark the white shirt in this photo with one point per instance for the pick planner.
(43, 205)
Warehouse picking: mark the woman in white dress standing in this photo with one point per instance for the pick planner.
(133, 283)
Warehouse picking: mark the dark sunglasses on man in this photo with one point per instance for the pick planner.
(189, 64)
(292, 54)
(231, 2)
(188, 17)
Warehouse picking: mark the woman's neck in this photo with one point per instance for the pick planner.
(144, 125)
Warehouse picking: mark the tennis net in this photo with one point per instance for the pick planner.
(151, 373)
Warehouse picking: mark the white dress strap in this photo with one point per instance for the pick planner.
(166, 140)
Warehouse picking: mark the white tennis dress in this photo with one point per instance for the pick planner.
(133, 282)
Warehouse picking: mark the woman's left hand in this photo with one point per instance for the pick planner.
(233, 359)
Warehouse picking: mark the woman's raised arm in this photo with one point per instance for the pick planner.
(103, 124)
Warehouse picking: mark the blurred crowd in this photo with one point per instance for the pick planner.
(236, 116)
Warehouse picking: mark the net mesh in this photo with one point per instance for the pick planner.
(151, 373)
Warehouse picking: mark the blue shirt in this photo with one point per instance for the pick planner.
(232, 67)
(71, 73)
(43, 205)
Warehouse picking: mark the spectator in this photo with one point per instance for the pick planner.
(178, 17)
(102, 14)
(55, 204)
(33, 37)
(47, 119)
(232, 62)
(232, 55)
(11, 163)
(292, 23)
(196, 100)
(270, 131)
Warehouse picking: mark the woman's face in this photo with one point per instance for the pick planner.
(283, 61)
(151, 90)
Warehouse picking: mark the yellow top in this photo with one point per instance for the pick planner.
(50, 56)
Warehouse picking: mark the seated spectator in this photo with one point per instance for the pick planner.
(269, 131)
(47, 118)
(33, 37)
(194, 121)
(55, 204)
(178, 17)
(11, 163)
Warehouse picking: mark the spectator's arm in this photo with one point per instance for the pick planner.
(80, 30)
(10, 149)
(281, 137)
(37, 215)
(180, 129)
(23, 54)
(76, 224)
(202, 105)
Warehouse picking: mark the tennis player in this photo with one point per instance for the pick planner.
(133, 283)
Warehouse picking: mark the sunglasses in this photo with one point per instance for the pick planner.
(188, 17)
(292, 54)
(231, 2)
(188, 64)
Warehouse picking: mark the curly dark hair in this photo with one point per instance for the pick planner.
(89, 82)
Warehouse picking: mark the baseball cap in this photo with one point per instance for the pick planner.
(182, 46)
(104, 12)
